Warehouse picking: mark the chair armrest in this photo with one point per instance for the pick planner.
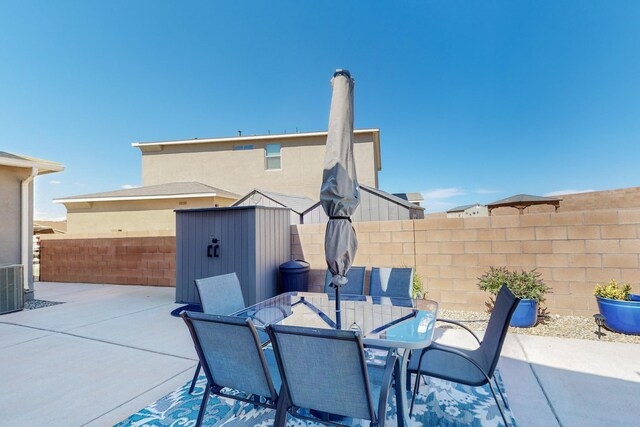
(263, 322)
(453, 322)
(454, 351)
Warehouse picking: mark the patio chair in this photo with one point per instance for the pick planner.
(391, 282)
(470, 367)
(232, 357)
(325, 370)
(219, 295)
(355, 285)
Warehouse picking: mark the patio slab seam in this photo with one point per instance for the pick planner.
(119, 316)
(535, 375)
(97, 340)
(135, 397)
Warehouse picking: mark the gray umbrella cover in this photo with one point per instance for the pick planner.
(340, 194)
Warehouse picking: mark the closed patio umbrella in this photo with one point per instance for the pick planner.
(339, 193)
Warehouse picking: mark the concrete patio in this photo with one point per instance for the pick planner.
(111, 350)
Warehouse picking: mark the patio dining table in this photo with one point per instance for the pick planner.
(395, 324)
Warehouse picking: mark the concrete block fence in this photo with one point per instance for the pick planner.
(123, 261)
(573, 251)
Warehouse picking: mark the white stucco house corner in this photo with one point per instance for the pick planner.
(17, 173)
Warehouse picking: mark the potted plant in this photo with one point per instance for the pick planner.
(526, 285)
(620, 308)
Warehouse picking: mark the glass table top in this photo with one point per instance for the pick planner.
(382, 321)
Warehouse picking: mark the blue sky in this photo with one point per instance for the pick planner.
(475, 100)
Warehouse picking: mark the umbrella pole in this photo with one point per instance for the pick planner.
(338, 314)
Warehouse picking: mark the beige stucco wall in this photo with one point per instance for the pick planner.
(10, 226)
(10, 184)
(218, 165)
(118, 217)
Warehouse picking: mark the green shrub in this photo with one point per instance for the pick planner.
(613, 290)
(418, 290)
(523, 284)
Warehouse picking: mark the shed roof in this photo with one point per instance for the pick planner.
(297, 204)
(384, 195)
(20, 161)
(171, 190)
(391, 197)
(411, 197)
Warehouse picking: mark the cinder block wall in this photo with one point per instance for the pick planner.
(572, 250)
(125, 261)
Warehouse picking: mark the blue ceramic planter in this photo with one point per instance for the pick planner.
(526, 314)
(621, 316)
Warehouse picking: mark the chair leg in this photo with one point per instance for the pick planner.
(195, 378)
(281, 409)
(203, 405)
(416, 388)
(495, 397)
(506, 404)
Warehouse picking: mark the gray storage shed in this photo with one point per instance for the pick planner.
(251, 241)
(375, 205)
(297, 204)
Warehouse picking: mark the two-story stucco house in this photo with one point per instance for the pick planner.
(198, 173)
(285, 163)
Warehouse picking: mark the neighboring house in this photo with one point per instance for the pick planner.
(297, 204)
(375, 205)
(16, 209)
(465, 211)
(284, 163)
(148, 209)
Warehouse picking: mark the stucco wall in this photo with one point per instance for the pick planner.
(10, 184)
(119, 217)
(218, 165)
(572, 250)
(11, 223)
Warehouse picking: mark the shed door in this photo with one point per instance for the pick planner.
(227, 244)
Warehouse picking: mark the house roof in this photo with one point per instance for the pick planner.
(298, 204)
(157, 145)
(171, 190)
(462, 208)
(520, 199)
(20, 161)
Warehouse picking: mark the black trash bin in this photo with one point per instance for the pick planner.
(295, 276)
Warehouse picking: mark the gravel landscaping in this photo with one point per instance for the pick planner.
(553, 325)
(39, 303)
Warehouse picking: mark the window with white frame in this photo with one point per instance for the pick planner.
(243, 147)
(272, 157)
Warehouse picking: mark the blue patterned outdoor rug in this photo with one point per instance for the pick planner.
(440, 403)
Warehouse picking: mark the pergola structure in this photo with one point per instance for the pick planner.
(522, 201)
